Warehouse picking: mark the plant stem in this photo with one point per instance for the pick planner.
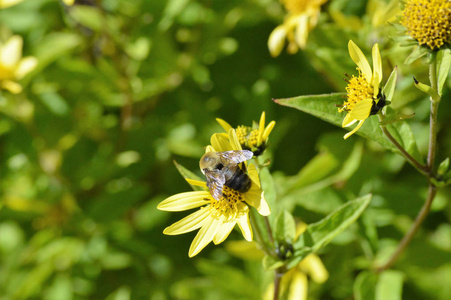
(258, 235)
(413, 230)
(430, 172)
(268, 228)
(420, 167)
(278, 276)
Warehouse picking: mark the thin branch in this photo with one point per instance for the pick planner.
(277, 279)
(420, 167)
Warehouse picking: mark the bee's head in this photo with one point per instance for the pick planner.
(210, 161)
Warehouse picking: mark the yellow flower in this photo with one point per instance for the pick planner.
(69, 2)
(363, 93)
(8, 3)
(12, 66)
(253, 138)
(428, 22)
(216, 218)
(301, 18)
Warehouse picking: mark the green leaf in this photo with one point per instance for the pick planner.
(285, 227)
(55, 45)
(389, 88)
(323, 107)
(365, 285)
(318, 235)
(389, 285)
(187, 174)
(415, 54)
(443, 167)
(443, 61)
(88, 16)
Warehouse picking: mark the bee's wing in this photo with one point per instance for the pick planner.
(215, 182)
(236, 156)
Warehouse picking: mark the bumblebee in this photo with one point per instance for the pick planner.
(223, 169)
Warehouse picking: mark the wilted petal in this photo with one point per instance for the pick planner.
(11, 52)
(360, 60)
(185, 201)
(298, 287)
(25, 66)
(276, 40)
(11, 86)
(204, 236)
(188, 223)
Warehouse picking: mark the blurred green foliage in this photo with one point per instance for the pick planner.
(125, 88)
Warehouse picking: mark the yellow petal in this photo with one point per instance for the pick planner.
(298, 287)
(8, 3)
(223, 232)
(256, 198)
(314, 267)
(348, 120)
(276, 40)
(301, 31)
(261, 124)
(26, 65)
(244, 222)
(11, 52)
(224, 124)
(185, 201)
(204, 236)
(268, 130)
(234, 142)
(188, 223)
(360, 60)
(354, 130)
(253, 174)
(11, 86)
(361, 110)
(196, 182)
(377, 68)
(220, 143)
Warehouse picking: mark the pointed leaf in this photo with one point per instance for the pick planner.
(318, 235)
(389, 285)
(285, 227)
(389, 88)
(187, 174)
(443, 62)
(365, 285)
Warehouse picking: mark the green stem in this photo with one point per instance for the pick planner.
(420, 167)
(278, 277)
(432, 191)
(258, 234)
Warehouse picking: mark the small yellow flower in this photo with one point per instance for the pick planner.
(253, 138)
(301, 18)
(69, 2)
(428, 21)
(216, 218)
(364, 97)
(8, 3)
(12, 66)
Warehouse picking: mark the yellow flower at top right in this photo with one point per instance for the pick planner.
(428, 22)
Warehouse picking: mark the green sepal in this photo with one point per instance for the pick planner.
(319, 234)
(285, 227)
(443, 63)
(187, 174)
(427, 89)
(443, 167)
(271, 263)
(415, 54)
(389, 88)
